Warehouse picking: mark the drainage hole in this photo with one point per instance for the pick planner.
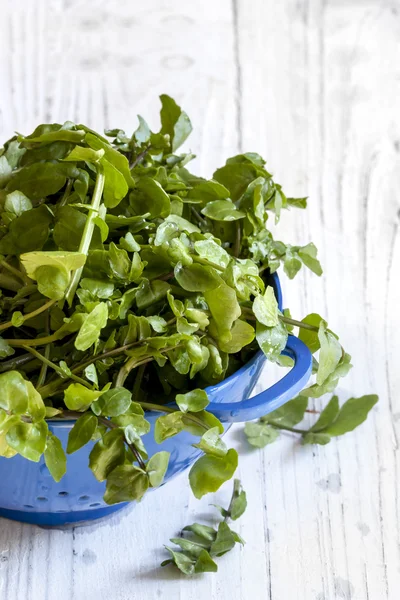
(84, 498)
(95, 504)
(42, 499)
(28, 506)
(63, 494)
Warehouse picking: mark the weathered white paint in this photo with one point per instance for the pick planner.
(313, 86)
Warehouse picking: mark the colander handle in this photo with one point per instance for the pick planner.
(276, 395)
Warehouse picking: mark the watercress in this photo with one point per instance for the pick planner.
(127, 282)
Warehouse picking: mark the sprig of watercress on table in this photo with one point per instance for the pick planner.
(129, 284)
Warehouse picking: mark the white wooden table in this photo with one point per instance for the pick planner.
(313, 85)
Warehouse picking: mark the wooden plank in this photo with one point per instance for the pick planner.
(318, 84)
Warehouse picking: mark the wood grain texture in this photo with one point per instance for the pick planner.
(313, 85)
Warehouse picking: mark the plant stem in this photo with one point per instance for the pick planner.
(208, 263)
(15, 272)
(43, 370)
(169, 409)
(138, 382)
(290, 321)
(238, 240)
(285, 428)
(66, 194)
(9, 283)
(15, 363)
(28, 316)
(87, 232)
(131, 447)
(140, 157)
(56, 368)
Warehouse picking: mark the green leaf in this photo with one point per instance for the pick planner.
(316, 438)
(38, 180)
(308, 255)
(55, 458)
(13, 393)
(224, 542)
(156, 468)
(289, 414)
(197, 278)
(92, 326)
(149, 197)
(193, 401)
(113, 403)
(85, 154)
(82, 432)
(28, 439)
(126, 483)
(265, 308)
(17, 203)
(238, 503)
(272, 340)
(209, 472)
(330, 353)
(351, 415)
(224, 307)
(107, 454)
(66, 261)
(181, 560)
(205, 564)
(260, 434)
(17, 318)
(174, 122)
(5, 171)
(310, 338)
(222, 210)
(167, 426)
(202, 531)
(36, 408)
(211, 443)
(78, 397)
(5, 349)
(242, 334)
(327, 416)
(213, 252)
(52, 281)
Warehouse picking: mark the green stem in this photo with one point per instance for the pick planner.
(208, 263)
(132, 447)
(87, 232)
(298, 323)
(15, 363)
(16, 272)
(9, 283)
(138, 382)
(56, 368)
(285, 428)
(169, 409)
(66, 194)
(238, 240)
(28, 316)
(43, 370)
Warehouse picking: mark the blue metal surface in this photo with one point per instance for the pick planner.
(28, 492)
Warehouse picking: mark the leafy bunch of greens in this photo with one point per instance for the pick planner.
(127, 282)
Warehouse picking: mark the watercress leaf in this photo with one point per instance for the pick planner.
(36, 408)
(242, 334)
(17, 203)
(90, 331)
(297, 202)
(69, 227)
(28, 439)
(236, 177)
(149, 197)
(265, 308)
(82, 432)
(202, 531)
(77, 397)
(17, 318)
(208, 419)
(84, 154)
(238, 503)
(205, 564)
(260, 434)
(156, 468)
(197, 278)
(5, 349)
(224, 307)
(54, 457)
(182, 224)
(52, 281)
(351, 415)
(107, 454)
(213, 252)
(167, 426)
(310, 338)
(126, 483)
(272, 340)
(289, 414)
(99, 288)
(151, 292)
(308, 255)
(38, 180)
(13, 393)
(193, 401)
(182, 561)
(292, 264)
(211, 443)
(37, 222)
(113, 403)
(222, 210)
(158, 324)
(91, 374)
(69, 261)
(330, 353)
(316, 438)
(189, 546)
(327, 416)
(174, 122)
(224, 542)
(5, 171)
(209, 472)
